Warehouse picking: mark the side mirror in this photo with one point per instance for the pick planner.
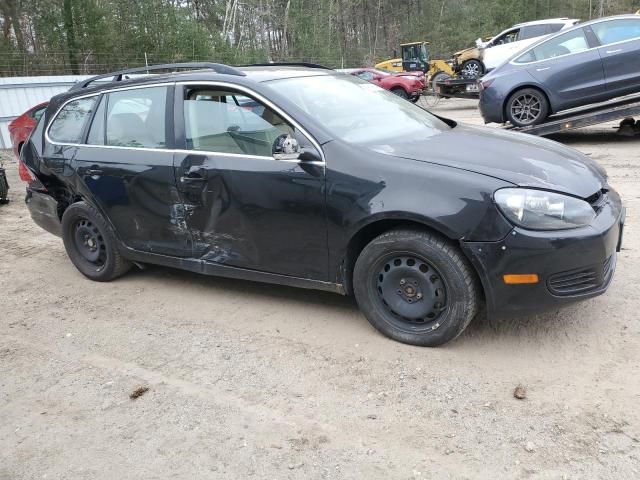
(285, 147)
(479, 43)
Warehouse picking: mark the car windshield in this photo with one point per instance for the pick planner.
(357, 111)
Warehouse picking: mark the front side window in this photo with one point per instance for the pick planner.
(134, 118)
(68, 125)
(617, 31)
(565, 44)
(230, 122)
(508, 37)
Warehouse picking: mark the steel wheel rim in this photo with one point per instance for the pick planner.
(526, 108)
(412, 290)
(89, 243)
(472, 69)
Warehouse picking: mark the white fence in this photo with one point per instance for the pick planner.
(19, 94)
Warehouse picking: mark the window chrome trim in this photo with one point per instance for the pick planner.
(192, 152)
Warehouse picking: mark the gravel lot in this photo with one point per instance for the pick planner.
(257, 381)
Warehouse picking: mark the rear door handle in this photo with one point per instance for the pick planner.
(542, 69)
(614, 51)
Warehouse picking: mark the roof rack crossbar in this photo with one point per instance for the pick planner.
(117, 76)
(287, 64)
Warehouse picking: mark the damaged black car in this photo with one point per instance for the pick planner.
(302, 176)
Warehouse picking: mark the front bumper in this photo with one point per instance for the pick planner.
(571, 264)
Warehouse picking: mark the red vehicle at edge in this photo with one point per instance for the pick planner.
(407, 85)
(20, 128)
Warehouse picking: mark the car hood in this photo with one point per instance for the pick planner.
(457, 54)
(518, 158)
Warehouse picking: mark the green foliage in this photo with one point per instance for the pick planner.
(92, 36)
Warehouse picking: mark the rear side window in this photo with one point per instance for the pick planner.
(570, 42)
(36, 113)
(617, 31)
(533, 31)
(554, 27)
(134, 118)
(68, 125)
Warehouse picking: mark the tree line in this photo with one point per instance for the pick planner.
(42, 37)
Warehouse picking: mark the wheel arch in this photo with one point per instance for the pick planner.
(522, 87)
(399, 86)
(377, 226)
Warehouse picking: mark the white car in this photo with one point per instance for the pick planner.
(506, 44)
(488, 55)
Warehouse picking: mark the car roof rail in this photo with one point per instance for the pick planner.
(117, 76)
(287, 64)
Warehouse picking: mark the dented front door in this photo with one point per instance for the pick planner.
(242, 207)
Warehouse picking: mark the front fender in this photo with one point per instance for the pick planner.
(368, 187)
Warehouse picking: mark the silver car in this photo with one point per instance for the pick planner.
(591, 62)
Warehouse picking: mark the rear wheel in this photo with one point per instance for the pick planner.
(472, 68)
(527, 107)
(415, 287)
(90, 243)
(401, 92)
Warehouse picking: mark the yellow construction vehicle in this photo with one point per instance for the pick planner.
(415, 57)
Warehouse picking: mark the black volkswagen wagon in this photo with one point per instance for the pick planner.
(298, 175)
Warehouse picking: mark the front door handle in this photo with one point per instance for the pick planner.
(94, 172)
(542, 69)
(614, 51)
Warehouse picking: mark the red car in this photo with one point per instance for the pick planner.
(407, 85)
(20, 128)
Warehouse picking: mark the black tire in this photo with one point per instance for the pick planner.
(438, 77)
(4, 187)
(527, 107)
(472, 68)
(401, 92)
(415, 287)
(91, 244)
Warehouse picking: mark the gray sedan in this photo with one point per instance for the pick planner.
(592, 62)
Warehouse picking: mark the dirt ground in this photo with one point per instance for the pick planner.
(257, 381)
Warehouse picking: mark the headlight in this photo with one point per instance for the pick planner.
(540, 210)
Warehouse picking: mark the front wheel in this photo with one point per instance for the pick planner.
(527, 107)
(472, 68)
(401, 92)
(415, 287)
(91, 244)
